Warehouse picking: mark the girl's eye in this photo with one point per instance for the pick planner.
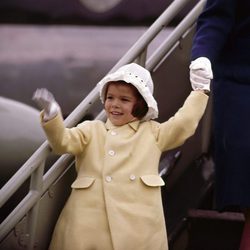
(109, 97)
(125, 100)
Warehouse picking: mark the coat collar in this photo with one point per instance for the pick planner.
(134, 125)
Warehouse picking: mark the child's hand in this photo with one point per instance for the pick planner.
(46, 101)
(201, 74)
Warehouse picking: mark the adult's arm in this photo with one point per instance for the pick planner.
(213, 28)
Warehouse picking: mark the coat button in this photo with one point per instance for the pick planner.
(113, 133)
(132, 177)
(108, 178)
(111, 152)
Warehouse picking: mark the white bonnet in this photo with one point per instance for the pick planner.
(140, 78)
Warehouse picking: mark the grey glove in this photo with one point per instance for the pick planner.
(201, 74)
(46, 101)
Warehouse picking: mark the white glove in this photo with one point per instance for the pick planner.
(46, 101)
(201, 74)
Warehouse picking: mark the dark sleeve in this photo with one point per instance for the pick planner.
(213, 28)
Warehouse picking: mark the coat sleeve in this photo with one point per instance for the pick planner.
(214, 26)
(66, 140)
(183, 124)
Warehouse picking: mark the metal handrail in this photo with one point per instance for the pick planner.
(35, 162)
(180, 32)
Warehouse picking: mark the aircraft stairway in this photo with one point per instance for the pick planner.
(208, 229)
(203, 228)
(187, 171)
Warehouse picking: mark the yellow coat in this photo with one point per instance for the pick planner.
(115, 201)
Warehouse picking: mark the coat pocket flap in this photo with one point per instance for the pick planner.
(152, 180)
(83, 182)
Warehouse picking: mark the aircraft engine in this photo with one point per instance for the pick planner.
(20, 135)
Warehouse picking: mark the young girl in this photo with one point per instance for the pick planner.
(115, 201)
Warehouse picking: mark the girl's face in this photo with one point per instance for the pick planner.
(119, 103)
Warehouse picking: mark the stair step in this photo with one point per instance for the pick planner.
(211, 230)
